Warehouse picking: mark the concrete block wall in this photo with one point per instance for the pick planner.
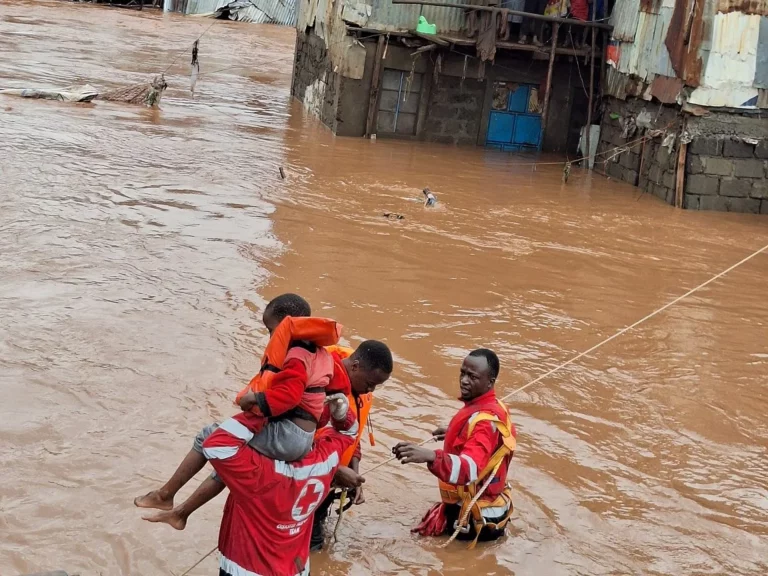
(659, 163)
(722, 172)
(728, 175)
(315, 83)
(455, 110)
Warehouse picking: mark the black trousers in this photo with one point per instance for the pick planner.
(318, 523)
(452, 512)
(533, 27)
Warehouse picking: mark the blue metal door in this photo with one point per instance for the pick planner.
(515, 122)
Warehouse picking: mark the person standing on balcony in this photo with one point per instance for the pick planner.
(533, 28)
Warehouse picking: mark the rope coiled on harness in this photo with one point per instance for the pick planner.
(465, 516)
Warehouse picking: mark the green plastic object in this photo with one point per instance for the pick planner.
(424, 27)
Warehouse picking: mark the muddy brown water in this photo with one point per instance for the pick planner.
(137, 248)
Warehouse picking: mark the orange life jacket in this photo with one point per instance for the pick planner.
(361, 404)
(319, 331)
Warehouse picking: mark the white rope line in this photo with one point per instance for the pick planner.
(563, 365)
(636, 324)
(610, 338)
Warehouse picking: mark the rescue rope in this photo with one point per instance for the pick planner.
(342, 501)
(196, 564)
(603, 342)
(480, 492)
(465, 516)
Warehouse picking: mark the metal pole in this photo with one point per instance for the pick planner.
(548, 88)
(680, 176)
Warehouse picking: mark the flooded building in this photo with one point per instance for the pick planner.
(256, 11)
(370, 68)
(686, 98)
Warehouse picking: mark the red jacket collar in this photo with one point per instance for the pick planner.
(487, 398)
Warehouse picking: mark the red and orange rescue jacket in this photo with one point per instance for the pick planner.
(361, 404)
(313, 370)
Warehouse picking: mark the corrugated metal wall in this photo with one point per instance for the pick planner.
(388, 16)
(204, 6)
(730, 75)
(261, 11)
(725, 61)
(624, 19)
(269, 12)
(645, 56)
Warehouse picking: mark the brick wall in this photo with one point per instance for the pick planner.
(455, 111)
(722, 172)
(315, 83)
(725, 174)
(659, 163)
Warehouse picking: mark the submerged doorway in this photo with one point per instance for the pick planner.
(515, 122)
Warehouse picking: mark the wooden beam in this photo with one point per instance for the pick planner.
(591, 93)
(554, 19)
(373, 100)
(426, 48)
(548, 89)
(434, 38)
(560, 51)
(458, 41)
(680, 181)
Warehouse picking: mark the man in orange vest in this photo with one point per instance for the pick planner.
(359, 388)
(477, 450)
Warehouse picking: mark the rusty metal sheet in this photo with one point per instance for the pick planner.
(403, 17)
(624, 19)
(666, 89)
(647, 56)
(758, 7)
(650, 6)
(684, 39)
(729, 77)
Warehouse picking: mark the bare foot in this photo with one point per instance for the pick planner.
(171, 517)
(155, 500)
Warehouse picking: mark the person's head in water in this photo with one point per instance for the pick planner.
(478, 373)
(282, 306)
(369, 366)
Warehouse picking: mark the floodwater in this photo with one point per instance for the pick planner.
(138, 247)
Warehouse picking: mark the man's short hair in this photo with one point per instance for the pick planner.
(491, 358)
(288, 305)
(374, 355)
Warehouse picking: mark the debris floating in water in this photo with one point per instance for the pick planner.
(195, 67)
(146, 93)
(282, 173)
(393, 216)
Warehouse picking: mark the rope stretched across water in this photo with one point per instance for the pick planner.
(610, 338)
(558, 368)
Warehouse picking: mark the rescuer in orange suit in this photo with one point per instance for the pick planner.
(478, 446)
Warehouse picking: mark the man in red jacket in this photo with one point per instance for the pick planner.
(478, 447)
(267, 519)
